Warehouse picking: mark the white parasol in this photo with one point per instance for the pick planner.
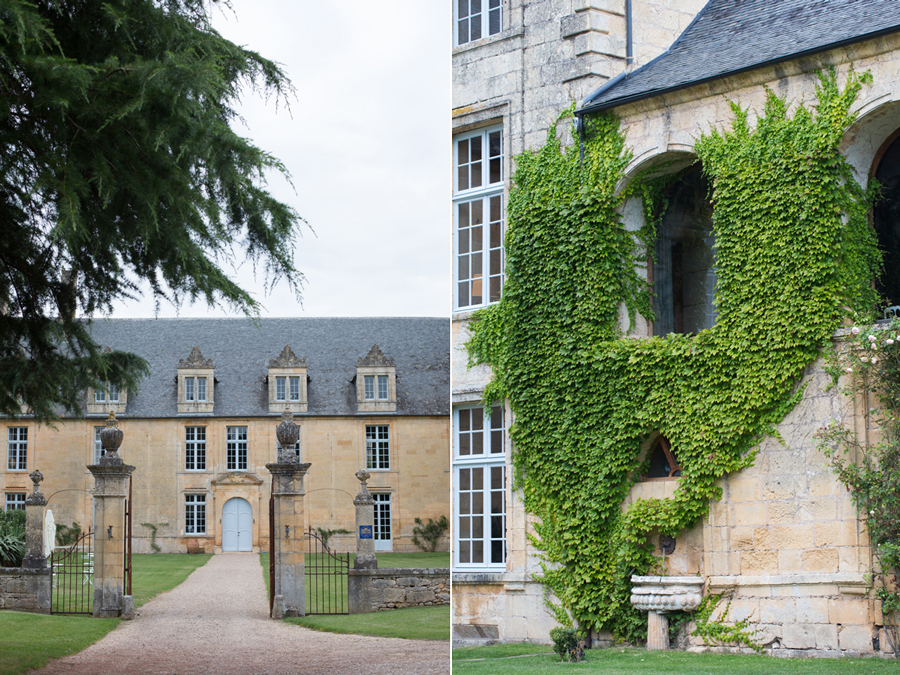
(49, 533)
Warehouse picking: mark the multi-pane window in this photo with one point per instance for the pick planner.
(480, 488)
(195, 514)
(236, 448)
(100, 394)
(17, 449)
(296, 448)
(15, 501)
(98, 445)
(382, 530)
(195, 389)
(195, 448)
(479, 217)
(369, 387)
(287, 388)
(477, 18)
(378, 446)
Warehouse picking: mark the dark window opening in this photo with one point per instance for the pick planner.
(684, 276)
(886, 219)
(663, 462)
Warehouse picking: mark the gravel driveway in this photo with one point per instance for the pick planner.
(217, 622)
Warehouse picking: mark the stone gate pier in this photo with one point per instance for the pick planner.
(290, 523)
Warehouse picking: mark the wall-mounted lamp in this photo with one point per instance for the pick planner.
(287, 531)
(109, 532)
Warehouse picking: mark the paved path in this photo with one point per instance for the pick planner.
(217, 623)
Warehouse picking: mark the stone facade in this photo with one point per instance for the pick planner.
(374, 590)
(785, 535)
(25, 590)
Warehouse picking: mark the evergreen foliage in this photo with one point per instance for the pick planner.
(794, 254)
(118, 165)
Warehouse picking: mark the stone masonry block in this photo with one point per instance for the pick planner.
(759, 563)
(782, 512)
(779, 487)
(612, 45)
(792, 536)
(849, 558)
(762, 539)
(850, 611)
(744, 608)
(799, 636)
(750, 514)
(742, 539)
(778, 610)
(818, 508)
(812, 610)
(789, 561)
(856, 638)
(744, 490)
(826, 636)
(583, 22)
(826, 534)
(820, 560)
(611, 6)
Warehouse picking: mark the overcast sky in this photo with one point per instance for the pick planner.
(367, 143)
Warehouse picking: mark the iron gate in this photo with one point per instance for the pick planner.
(327, 577)
(126, 563)
(72, 577)
(272, 548)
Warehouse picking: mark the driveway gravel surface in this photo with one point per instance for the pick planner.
(217, 623)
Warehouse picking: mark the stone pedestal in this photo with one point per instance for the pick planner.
(110, 492)
(34, 526)
(365, 525)
(660, 595)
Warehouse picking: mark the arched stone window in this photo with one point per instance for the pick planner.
(886, 219)
(663, 462)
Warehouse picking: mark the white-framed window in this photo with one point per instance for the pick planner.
(195, 448)
(17, 449)
(382, 531)
(382, 387)
(369, 387)
(287, 388)
(195, 514)
(479, 488)
(296, 449)
(15, 501)
(98, 445)
(478, 217)
(100, 394)
(195, 389)
(236, 448)
(378, 446)
(476, 19)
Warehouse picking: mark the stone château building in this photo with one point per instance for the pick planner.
(365, 392)
(785, 535)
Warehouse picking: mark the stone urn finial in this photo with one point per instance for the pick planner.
(111, 439)
(288, 434)
(36, 498)
(364, 496)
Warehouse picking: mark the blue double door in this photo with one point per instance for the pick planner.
(237, 525)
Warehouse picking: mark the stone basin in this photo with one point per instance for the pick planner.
(659, 595)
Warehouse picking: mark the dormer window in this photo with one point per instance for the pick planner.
(196, 383)
(112, 390)
(376, 382)
(107, 399)
(287, 383)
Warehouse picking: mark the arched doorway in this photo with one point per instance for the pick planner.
(237, 525)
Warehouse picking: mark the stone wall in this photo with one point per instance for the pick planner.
(25, 590)
(396, 588)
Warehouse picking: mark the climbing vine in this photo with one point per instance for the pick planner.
(794, 253)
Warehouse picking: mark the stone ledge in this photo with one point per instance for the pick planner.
(402, 572)
(507, 34)
(488, 578)
(837, 578)
(23, 571)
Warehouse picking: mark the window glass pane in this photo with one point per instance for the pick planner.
(201, 388)
(493, 21)
(477, 217)
(113, 393)
(99, 396)
(295, 388)
(383, 387)
(98, 446)
(279, 389)
(189, 389)
(463, 222)
(369, 387)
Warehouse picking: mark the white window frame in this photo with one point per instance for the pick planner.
(383, 388)
(17, 449)
(189, 389)
(236, 448)
(195, 448)
(201, 390)
(383, 527)
(100, 394)
(195, 514)
(369, 387)
(98, 445)
(489, 20)
(15, 501)
(378, 447)
(294, 388)
(479, 489)
(479, 267)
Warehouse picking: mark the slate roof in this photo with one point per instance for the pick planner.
(241, 352)
(731, 36)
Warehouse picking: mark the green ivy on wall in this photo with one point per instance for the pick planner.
(794, 254)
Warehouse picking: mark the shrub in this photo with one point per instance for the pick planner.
(67, 535)
(568, 643)
(427, 535)
(12, 538)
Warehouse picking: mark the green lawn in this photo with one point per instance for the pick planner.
(414, 623)
(30, 640)
(522, 659)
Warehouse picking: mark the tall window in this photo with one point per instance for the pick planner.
(17, 449)
(98, 446)
(378, 446)
(477, 18)
(236, 448)
(195, 514)
(479, 217)
(15, 501)
(480, 489)
(195, 389)
(382, 530)
(195, 448)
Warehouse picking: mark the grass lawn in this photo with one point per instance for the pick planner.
(414, 623)
(30, 640)
(524, 659)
